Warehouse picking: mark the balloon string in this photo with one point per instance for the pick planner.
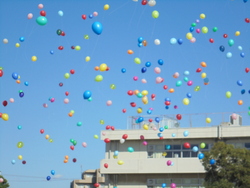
(119, 8)
(132, 16)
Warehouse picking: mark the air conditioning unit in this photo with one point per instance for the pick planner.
(150, 181)
(236, 120)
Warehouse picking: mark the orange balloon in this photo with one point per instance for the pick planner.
(65, 161)
(203, 64)
(70, 114)
(66, 157)
(136, 92)
(96, 68)
(206, 83)
(18, 81)
(130, 52)
(171, 90)
(144, 43)
(240, 102)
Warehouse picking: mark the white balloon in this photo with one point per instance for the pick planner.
(60, 13)
(5, 41)
(122, 141)
(144, 81)
(152, 3)
(240, 48)
(157, 42)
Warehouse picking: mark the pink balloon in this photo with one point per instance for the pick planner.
(45, 105)
(103, 133)
(40, 6)
(12, 100)
(157, 70)
(173, 185)
(84, 144)
(135, 78)
(151, 108)
(1, 180)
(52, 100)
(152, 99)
(154, 128)
(169, 162)
(193, 40)
(176, 75)
(144, 143)
(175, 106)
(66, 100)
(158, 80)
(189, 83)
(30, 15)
(234, 116)
(198, 30)
(95, 13)
(144, 81)
(109, 103)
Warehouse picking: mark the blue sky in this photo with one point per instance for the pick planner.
(123, 23)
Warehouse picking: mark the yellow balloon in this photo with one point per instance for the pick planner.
(155, 14)
(115, 157)
(98, 78)
(164, 154)
(72, 111)
(77, 48)
(106, 7)
(51, 140)
(237, 33)
(208, 120)
(203, 75)
(145, 127)
(120, 162)
(20, 157)
(144, 92)
(137, 60)
(185, 101)
(66, 75)
(17, 45)
(33, 58)
(102, 122)
(47, 136)
(5, 117)
(103, 67)
(202, 16)
(139, 110)
(228, 94)
(145, 100)
(87, 58)
(189, 36)
(20, 144)
(204, 30)
(96, 136)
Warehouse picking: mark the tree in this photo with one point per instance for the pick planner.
(231, 168)
(3, 183)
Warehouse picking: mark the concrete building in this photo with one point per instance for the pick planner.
(139, 158)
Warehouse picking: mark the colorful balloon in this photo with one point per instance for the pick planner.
(97, 28)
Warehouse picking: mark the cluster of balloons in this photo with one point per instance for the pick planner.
(141, 42)
(41, 20)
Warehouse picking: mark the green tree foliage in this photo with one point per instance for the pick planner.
(5, 183)
(231, 168)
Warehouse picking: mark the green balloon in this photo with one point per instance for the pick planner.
(202, 145)
(86, 36)
(71, 140)
(20, 144)
(41, 20)
(185, 79)
(228, 94)
(204, 29)
(98, 78)
(231, 42)
(249, 113)
(59, 31)
(155, 14)
(139, 95)
(193, 24)
(197, 88)
(178, 83)
(130, 149)
(74, 142)
(137, 60)
(90, 99)
(165, 127)
(215, 29)
(79, 123)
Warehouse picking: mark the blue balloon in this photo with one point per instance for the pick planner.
(249, 91)
(242, 54)
(189, 95)
(140, 39)
(97, 28)
(48, 178)
(161, 129)
(180, 41)
(21, 94)
(173, 135)
(186, 73)
(52, 172)
(123, 70)
(185, 133)
(26, 83)
(91, 16)
(212, 161)
(243, 91)
(201, 156)
(157, 119)
(140, 44)
(239, 82)
(206, 80)
(222, 48)
(14, 75)
(167, 107)
(51, 52)
(160, 135)
(168, 147)
(160, 62)
(19, 127)
(21, 39)
(168, 99)
(195, 149)
(116, 153)
(149, 111)
(13, 161)
(140, 119)
(144, 69)
(163, 185)
(245, 1)
(191, 29)
(148, 64)
(87, 94)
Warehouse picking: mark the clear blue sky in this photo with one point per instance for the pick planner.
(123, 24)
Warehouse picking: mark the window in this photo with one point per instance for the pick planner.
(186, 154)
(176, 147)
(247, 145)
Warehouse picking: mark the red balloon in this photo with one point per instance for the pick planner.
(124, 110)
(112, 128)
(133, 104)
(161, 138)
(72, 47)
(107, 127)
(72, 147)
(0, 115)
(106, 140)
(125, 136)
(74, 160)
(42, 131)
(247, 70)
(178, 116)
(165, 87)
(72, 71)
(142, 137)
(96, 185)
(225, 36)
(211, 40)
(63, 33)
(5, 103)
(198, 70)
(60, 47)
(144, 2)
(107, 69)
(84, 16)
(42, 13)
(167, 103)
(130, 92)
(106, 165)
(24, 162)
(247, 20)
(187, 145)
(1, 73)
(66, 93)
(153, 96)
(150, 120)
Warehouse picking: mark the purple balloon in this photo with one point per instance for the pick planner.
(169, 162)
(21, 94)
